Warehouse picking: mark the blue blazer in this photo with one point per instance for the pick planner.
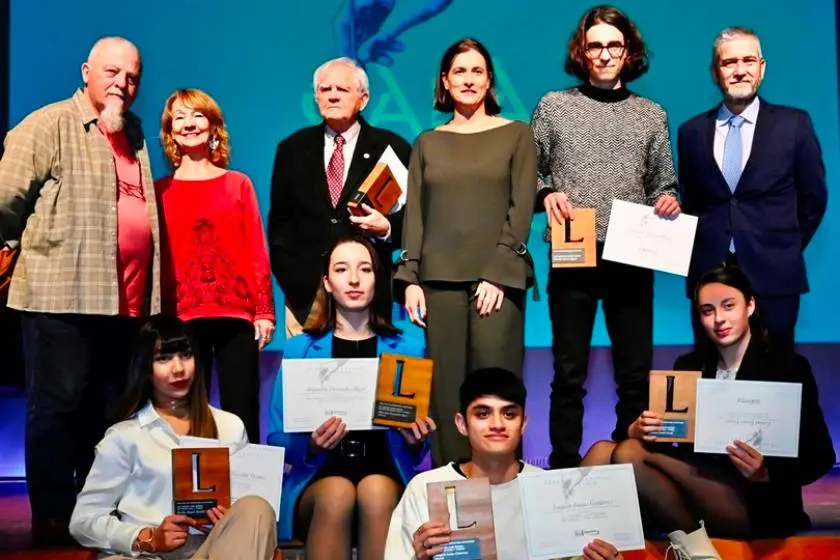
(777, 205)
(299, 470)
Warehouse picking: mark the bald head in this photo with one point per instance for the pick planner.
(107, 45)
(112, 75)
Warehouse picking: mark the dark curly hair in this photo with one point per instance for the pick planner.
(636, 64)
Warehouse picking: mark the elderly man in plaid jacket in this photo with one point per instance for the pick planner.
(76, 192)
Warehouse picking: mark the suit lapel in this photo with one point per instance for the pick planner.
(763, 131)
(709, 130)
(315, 152)
(751, 364)
(362, 162)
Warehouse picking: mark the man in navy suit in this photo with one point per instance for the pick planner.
(753, 174)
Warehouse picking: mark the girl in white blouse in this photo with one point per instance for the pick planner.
(125, 508)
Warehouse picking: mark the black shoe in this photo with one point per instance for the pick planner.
(51, 533)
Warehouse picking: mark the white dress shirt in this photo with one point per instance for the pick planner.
(351, 138)
(750, 115)
(129, 486)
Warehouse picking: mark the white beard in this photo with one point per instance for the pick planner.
(111, 117)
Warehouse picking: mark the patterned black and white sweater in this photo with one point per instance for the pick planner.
(597, 145)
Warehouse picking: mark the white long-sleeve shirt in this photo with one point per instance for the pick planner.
(413, 511)
(130, 483)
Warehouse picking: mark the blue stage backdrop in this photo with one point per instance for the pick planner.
(256, 58)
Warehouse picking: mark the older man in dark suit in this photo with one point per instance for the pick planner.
(753, 173)
(316, 171)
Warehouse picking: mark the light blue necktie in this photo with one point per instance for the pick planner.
(732, 156)
(733, 152)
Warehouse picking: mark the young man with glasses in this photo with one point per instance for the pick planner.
(598, 142)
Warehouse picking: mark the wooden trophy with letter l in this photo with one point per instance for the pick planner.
(465, 506)
(200, 481)
(673, 395)
(380, 190)
(403, 390)
(573, 241)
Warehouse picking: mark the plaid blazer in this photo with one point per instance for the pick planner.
(58, 196)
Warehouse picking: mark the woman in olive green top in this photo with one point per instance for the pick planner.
(471, 189)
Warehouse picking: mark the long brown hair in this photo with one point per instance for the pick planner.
(322, 318)
(163, 334)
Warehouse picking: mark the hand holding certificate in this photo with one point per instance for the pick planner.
(638, 237)
(763, 415)
(564, 510)
(317, 389)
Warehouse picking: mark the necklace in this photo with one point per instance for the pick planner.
(174, 407)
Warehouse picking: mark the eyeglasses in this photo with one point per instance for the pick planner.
(614, 48)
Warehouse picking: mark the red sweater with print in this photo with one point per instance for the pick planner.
(214, 261)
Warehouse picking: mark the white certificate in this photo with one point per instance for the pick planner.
(255, 470)
(761, 414)
(400, 173)
(564, 510)
(637, 236)
(314, 390)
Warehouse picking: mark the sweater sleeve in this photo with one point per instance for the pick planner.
(540, 128)
(412, 240)
(254, 234)
(505, 266)
(660, 177)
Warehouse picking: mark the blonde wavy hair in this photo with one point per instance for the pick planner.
(206, 105)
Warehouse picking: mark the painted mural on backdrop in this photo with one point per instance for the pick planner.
(369, 32)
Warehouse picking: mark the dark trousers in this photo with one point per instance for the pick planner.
(230, 344)
(460, 341)
(778, 313)
(11, 349)
(75, 375)
(573, 294)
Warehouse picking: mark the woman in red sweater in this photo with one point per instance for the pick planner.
(215, 267)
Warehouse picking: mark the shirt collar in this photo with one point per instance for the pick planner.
(84, 107)
(349, 135)
(750, 114)
(88, 115)
(147, 415)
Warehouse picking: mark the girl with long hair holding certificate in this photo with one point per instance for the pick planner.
(741, 493)
(334, 474)
(126, 505)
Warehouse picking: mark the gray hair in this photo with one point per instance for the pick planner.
(729, 34)
(361, 75)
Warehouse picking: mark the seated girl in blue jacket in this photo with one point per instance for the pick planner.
(334, 473)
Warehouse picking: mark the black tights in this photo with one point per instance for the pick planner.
(678, 489)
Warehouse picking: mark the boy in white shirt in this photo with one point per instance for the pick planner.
(492, 416)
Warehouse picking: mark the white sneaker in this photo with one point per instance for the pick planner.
(693, 546)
